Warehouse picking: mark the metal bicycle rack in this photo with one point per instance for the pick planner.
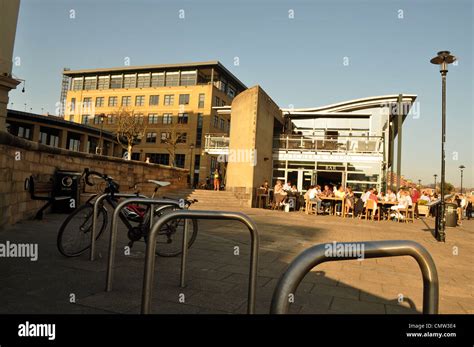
(96, 210)
(186, 214)
(308, 259)
(114, 227)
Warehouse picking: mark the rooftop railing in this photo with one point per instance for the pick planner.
(343, 144)
(339, 144)
(216, 142)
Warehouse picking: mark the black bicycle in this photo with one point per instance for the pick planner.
(74, 237)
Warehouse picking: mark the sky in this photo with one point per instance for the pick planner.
(303, 53)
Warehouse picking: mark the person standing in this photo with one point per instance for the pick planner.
(217, 179)
(415, 196)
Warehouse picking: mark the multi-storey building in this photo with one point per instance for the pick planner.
(174, 101)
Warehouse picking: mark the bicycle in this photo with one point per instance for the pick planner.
(74, 233)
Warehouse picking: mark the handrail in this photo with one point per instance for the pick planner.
(96, 211)
(308, 259)
(114, 226)
(187, 214)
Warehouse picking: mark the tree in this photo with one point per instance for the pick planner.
(448, 187)
(130, 129)
(174, 137)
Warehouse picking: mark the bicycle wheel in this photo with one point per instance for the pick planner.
(169, 239)
(74, 236)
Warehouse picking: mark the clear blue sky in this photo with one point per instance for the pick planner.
(297, 61)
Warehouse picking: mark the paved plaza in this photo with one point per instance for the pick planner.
(217, 278)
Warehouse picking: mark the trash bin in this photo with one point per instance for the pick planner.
(451, 215)
(66, 183)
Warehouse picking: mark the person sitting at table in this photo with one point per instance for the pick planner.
(326, 193)
(350, 199)
(367, 195)
(340, 194)
(381, 196)
(279, 195)
(425, 197)
(312, 195)
(265, 186)
(403, 203)
(390, 196)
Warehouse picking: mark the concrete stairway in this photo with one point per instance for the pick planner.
(208, 199)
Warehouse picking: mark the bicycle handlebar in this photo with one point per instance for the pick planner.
(88, 173)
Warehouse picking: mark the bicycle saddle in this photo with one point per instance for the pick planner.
(159, 183)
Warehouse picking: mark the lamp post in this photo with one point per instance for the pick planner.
(443, 59)
(191, 174)
(462, 167)
(419, 183)
(435, 176)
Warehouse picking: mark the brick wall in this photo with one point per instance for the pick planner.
(42, 161)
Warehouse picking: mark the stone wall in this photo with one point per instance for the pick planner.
(20, 159)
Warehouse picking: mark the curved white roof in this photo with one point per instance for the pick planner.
(354, 105)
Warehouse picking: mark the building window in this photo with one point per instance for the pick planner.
(140, 118)
(159, 158)
(184, 99)
(99, 102)
(104, 82)
(152, 118)
(216, 121)
(73, 142)
(202, 98)
(77, 83)
(92, 144)
(230, 92)
(183, 118)
(169, 100)
(199, 130)
(179, 160)
(85, 119)
(87, 102)
(130, 81)
(165, 136)
(126, 100)
(24, 133)
(223, 102)
(151, 137)
(188, 78)
(49, 137)
(167, 118)
(222, 124)
(158, 79)
(90, 83)
(217, 101)
(110, 119)
(154, 100)
(140, 100)
(181, 137)
(228, 125)
(112, 101)
(143, 80)
(116, 82)
(136, 156)
(72, 106)
(172, 79)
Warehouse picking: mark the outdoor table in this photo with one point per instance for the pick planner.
(333, 198)
(388, 204)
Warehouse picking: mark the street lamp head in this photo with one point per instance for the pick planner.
(462, 167)
(443, 59)
(191, 146)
